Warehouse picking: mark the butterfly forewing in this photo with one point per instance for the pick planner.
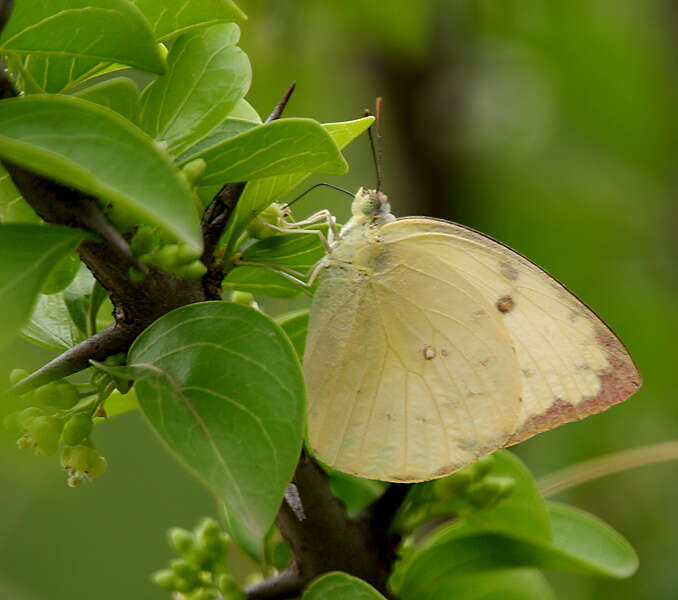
(570, 363)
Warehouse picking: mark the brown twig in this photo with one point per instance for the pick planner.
(280, 107)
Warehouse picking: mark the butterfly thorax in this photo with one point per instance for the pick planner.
(370, 210)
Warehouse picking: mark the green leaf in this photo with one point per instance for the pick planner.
(226, 394)
(276, 148)
(63, 40)
(524, 511)
(120, 94)
(260, 282)
(208, 75)
(244, 111)
(250, 544)
(295, 326)
(340, 586)
(260, 193)
(586, 538)
(97, 151)
(50, 324)
(170, 18)
(509, 584)
(227, 129)
(78, 299)
(27, 255)
(294, 251)
(13, 207)
(581, 544)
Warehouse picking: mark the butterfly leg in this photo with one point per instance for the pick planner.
(319, 217)
(304, 280)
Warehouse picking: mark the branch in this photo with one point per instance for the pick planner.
(286, 585)
(113, 339)
(280, 107)
(381, 512)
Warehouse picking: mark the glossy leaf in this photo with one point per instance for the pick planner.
(170, 18)
(340, 586)
(120, 94)
(276, 148)
(13, 207)
(50, 324)
(36, 33)
(581, 544)
(250, 544)
(27, 255)
(78, 299)
(96, 151)
(207, 76)
(295, 326)
(585, 537)
(509, 584)
(224, 390)
(260, 282)
(260, 193)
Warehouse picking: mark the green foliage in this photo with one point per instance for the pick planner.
(215, 374)
(207, 76)
(28, 253)
(515, 532)
(60, 137)
(49, 61)
(340, 586)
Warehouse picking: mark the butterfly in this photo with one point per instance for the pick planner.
(430, 345)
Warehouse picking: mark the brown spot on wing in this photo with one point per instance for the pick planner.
(429, 353)
(619, 381)
(505, 304)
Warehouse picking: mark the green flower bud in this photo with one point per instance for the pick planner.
(26, 416)
(17, 375)
(61, 275)
(187, 571)
(454, 486)
(77, 429)
(75, 458)
(194, 170)
(11, 422)
(166, 579)
(271, 215)
(192, 270)
(66, 395)
(186, 255)
(181, 540)
(490, 490)
(166, 257)
(482, 466)
(208, 530)
(244, 298)
(96, 464)
(229, 588)
(45, 433)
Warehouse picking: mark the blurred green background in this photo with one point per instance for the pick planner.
(549, 125)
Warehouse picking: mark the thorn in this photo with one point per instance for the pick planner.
(280, 107)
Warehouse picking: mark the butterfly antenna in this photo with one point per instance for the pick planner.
(376, 148)
(329, 185)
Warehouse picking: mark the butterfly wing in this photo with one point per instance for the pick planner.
(410, 371)
(570, 363)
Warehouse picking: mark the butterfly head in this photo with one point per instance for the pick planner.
(370, 204)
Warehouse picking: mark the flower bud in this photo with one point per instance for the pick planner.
(17, 375)
(77, 429)
(259, 226)
(181, 540)
(45, 433)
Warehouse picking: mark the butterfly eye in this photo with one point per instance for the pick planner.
(373, 203)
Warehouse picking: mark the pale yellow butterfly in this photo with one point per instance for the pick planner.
(430, 345)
